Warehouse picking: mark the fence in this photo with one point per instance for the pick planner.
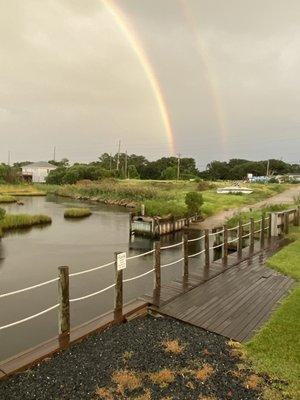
(266, 227)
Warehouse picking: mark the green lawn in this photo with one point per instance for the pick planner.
(276, 348)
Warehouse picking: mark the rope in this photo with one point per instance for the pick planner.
(140, 255)
(198, 238)
(29, 288)
(29, 318)
(215, 247)
(138, 276)
(248, 223)
(234, 228)
(91, 269)
(258, 220)
(172, 263)
(196, 254)
(257, 231)
(233, 240)
(92, 294)
(248, 234)
(172, 245)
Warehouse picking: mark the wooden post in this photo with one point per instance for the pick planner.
(252, 238)
(157, 279)
(118, 311)
(262, 233)
(297, 217)
(206, 244)
(240, 241)
(225, 246)
(64, 307)
(185, 255)
(270, 226)
(286, 222)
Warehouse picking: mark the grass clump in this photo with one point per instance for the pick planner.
(276, 348)
(77, 212)
(5, 198)
(21, 221)
(173, 346)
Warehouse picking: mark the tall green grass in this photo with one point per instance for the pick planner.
(77, 212)
(18, 221)
(5, 198)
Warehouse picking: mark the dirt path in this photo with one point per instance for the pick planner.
(220, 219)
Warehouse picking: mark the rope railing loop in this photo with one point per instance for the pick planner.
(92, 294)
(86, 271)
(196, 254)
(138, 276)
(140, 255)
(171, 246)
(28, 288)
(29, 318)
(196, 239)
(233, 229)
(172, 263)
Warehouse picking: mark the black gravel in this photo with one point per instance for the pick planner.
(75, 374)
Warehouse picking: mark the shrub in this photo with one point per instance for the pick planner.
(77, 212)
(194, 201)
(203, 185)
(2, 213)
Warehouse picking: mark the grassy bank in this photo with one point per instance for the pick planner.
(5, 199)
(22, 190)
(19, 221)
(276, 348)
(163, 197)
(77, 212)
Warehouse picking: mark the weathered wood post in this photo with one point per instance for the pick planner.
(262, 233)
(118, 310)
(157, 273)
(286, 222)
(225, 246)
(64, 307)
(252, 238)
(185, 255)
(270, 225)
(274, 224)
(240, 239)
(297, 217)
(207, 255)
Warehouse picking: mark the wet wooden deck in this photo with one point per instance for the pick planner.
(233, 303)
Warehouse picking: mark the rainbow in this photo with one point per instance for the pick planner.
(210, 74)
(137, 46)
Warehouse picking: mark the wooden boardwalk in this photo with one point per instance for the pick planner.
(234, 303)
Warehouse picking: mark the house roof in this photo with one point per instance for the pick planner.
(40, 164)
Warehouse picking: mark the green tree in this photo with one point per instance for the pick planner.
(170, 173)
(133, 172)
(194, 201)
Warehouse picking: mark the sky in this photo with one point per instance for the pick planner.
(227, 73)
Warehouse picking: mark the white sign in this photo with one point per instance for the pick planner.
(121, 261)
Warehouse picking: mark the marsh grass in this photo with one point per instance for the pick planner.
(5, 198)
(22, 190)
(22, 221)
(77, 212)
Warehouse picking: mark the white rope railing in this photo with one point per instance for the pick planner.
(233, 229)
(29, 318)
(246, 235)
(259, 230)
(248, 223)
(172, 263)
(196, 239)
(257, 221)
(138, 276)
(140, 255)
(171, 246)
(215, 247)
(91, 269)
(233, 240)
(92, 294)
(29, 288)
(196, 254)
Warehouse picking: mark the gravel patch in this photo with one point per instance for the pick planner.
(145, 359)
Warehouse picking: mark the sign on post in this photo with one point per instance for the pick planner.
(121, 261)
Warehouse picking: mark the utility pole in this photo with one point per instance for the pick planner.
(126, 169)
(268, 167)
(118, 155)
(8, 158)
(178, 166)
(54, 153)
(110, 161)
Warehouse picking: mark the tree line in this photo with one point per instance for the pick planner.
(134, 166)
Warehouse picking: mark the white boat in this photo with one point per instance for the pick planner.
(234, 189)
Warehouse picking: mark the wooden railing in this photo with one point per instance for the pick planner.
(222, 239)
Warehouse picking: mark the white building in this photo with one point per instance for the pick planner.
(37, 172)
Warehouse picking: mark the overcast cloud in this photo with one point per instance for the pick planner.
(69, 78)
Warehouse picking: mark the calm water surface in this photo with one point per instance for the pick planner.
(33, 256)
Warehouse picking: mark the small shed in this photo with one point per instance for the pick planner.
(37, 172)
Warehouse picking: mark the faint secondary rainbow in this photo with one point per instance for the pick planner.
(137, 46)
(211, 76)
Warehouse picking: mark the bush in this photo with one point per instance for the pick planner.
(203, 185)
(77, 212)
(194, 201)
